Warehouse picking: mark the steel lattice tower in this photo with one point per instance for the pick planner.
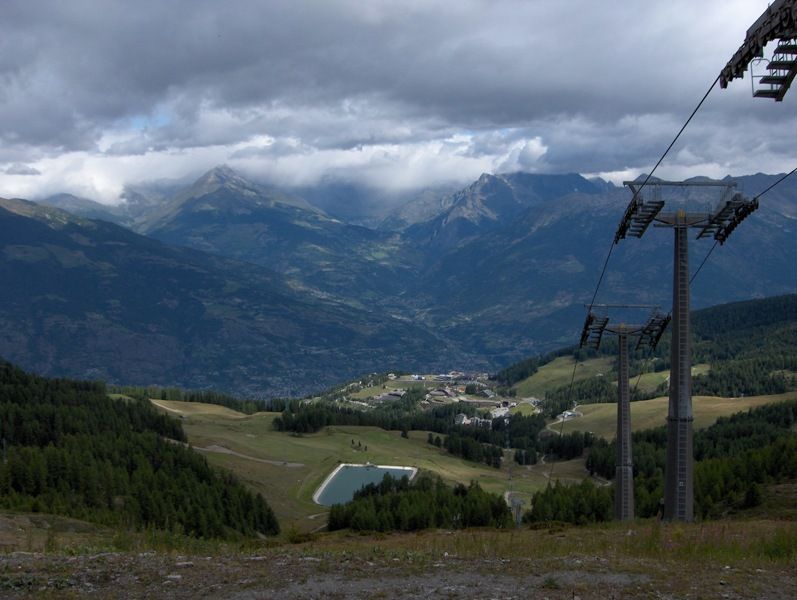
(678, 478)
(649, 334)
(732, 209)
(624, 462)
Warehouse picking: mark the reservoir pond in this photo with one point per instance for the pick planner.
(340, 485)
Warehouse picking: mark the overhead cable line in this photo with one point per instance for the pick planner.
(776, 183)
(603, 273)
(570, 389)
(675, 139)
(639, 378)
(704, 261)
(756, 197)
(649, 175)
(611, 248)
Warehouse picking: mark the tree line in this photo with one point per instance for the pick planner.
(595, 390)
(244, 405)
(568, 445)
(479, 444)
(426, 502)
(470, 449)
(580, 503)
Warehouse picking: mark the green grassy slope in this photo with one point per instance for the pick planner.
(558, 373)
(744, 347)
(601, 419)
(287, 469)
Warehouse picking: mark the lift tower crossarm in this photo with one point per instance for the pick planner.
(727, 217)
(778, 22)
(637, 218)
(730, 212)
(592, 333)
(649, 332)
(640, 213)
(653, 330)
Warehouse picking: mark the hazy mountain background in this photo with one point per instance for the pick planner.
(232, 284)
(96, 300)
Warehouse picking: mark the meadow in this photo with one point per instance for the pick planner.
(750, 557)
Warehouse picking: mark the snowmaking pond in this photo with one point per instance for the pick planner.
(340, 484)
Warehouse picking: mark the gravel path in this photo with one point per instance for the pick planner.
(222, 450)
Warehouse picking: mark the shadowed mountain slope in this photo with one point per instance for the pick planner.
(520, 288)
(91, 299)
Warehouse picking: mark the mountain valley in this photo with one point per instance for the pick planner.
(500, 271)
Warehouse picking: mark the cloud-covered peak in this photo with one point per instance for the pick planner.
(222, 175)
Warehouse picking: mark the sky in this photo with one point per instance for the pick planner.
(395, 95)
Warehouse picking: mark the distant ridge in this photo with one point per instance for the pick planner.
(91, 299)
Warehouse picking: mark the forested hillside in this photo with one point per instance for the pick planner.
(735, 458)
(71, 450)
(751, 348)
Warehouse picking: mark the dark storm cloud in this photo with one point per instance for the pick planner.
(18, 169)
(564, 86)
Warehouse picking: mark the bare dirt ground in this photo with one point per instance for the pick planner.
(552, 564)
(289, 576)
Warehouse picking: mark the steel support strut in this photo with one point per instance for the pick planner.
(624, 469)
(679, 473)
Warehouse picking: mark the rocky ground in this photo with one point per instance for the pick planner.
(53, 557)
(294, 574)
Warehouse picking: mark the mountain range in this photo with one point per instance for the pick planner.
(232, 284)
(92, 298)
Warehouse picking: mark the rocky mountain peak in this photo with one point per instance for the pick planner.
(222, 176)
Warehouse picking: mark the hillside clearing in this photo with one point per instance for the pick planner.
(601, 419)
(197, 408)
(558, 372)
